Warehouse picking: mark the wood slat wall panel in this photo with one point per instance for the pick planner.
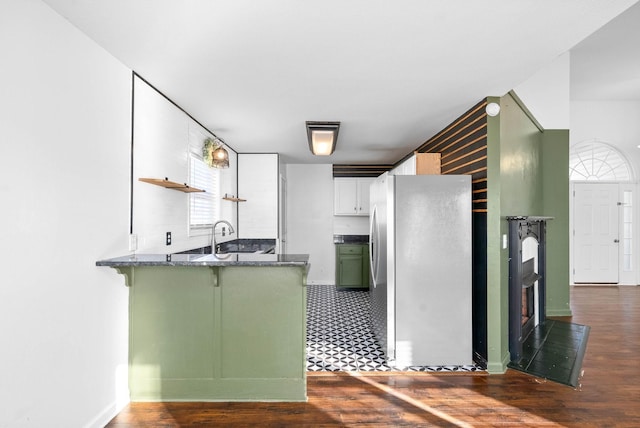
(360, 170)
(463, 145)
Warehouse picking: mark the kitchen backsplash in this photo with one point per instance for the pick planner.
(350, 225)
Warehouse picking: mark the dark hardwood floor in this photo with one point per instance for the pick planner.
(608, 396)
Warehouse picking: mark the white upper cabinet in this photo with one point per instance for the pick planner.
(363, 195)
(351, 196)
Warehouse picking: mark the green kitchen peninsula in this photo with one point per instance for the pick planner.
(216, 327)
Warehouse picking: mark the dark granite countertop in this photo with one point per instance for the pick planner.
(350, 239)
(229, 259)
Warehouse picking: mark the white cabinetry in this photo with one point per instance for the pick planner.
(408, 167)
(351, 196)
(258, 185)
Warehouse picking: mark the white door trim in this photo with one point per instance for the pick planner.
(625, 277)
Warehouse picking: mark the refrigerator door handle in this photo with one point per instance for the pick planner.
(373, 245)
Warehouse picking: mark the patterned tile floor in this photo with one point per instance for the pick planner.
(340, 337)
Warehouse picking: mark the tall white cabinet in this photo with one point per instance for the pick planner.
(258, 178)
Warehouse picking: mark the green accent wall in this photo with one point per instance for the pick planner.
(497, 297)
(555, 200)
(527, 175)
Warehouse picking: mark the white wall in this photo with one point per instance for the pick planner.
(162, 136)
(64, 187)
(310, 218)
(613, 122)
(351, 225)
(258, 184)
(547, 94)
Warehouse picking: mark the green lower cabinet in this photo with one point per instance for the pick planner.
(352, 266)
(217, 333)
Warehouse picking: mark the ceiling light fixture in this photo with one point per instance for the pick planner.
(493, 109)
(214, 153)
(220, 158)
(322, 137)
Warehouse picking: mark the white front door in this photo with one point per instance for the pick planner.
(595, 234)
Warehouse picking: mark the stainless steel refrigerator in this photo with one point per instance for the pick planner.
(420, 249)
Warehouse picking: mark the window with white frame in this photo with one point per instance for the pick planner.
(203, 206)
(595, 160)
(627, 232)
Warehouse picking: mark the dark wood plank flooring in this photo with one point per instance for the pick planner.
(608, 396)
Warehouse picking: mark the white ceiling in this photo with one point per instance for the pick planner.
(606, 65)
(393, 72)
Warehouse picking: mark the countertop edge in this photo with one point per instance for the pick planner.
(212, 260)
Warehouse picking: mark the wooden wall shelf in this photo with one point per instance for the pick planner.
(232, 199)
(182, 187)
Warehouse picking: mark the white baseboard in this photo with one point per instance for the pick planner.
(105, 416)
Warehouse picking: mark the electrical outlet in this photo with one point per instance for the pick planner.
(133, 242)
(168, 242)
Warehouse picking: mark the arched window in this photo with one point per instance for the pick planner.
(594, 160)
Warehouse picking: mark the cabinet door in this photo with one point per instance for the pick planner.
(345, 196)
(352, 266)
(363, 195)
(350, 271)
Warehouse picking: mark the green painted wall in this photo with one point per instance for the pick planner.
(497, 298)
(527, 175)
(555, 200)
(520, 162)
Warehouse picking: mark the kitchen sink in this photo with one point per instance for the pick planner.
(238, 246)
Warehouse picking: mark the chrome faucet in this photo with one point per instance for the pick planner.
(213, 233)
